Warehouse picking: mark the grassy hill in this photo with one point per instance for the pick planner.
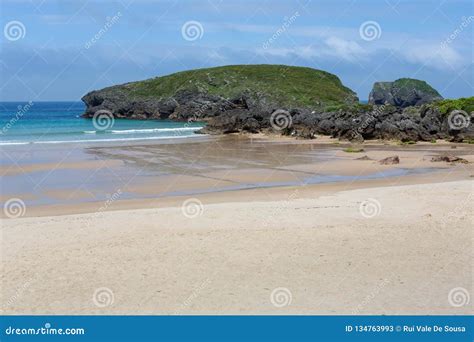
(448, 105)
(405, 85)
(296, 86)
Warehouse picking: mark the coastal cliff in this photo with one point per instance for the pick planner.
(404, 92)
(205, 93)
(294, 101)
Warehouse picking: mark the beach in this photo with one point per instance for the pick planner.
(251, 225)
(237, 171)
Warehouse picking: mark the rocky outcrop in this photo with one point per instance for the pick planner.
(403, 92)
(390, 160)
(356, 123)
(301, 102)
(234, 90)
(182, 106)
(449, 159)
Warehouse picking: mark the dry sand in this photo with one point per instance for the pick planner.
(312, 248)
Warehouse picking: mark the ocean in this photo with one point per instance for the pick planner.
(61, 123)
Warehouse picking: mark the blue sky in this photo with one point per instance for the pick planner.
(60, 50)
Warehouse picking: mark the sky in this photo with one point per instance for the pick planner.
(54, 50)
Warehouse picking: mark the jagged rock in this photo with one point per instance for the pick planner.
(208, 93)
(303, 132)
(403, 92)
(229, 101)
(449, 159)
(390, 160)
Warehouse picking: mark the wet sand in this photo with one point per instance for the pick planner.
(83, 179)
(174, 239)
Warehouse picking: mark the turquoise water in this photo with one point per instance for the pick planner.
(60, 122)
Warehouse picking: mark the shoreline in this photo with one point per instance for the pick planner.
(262, 193)
(313, 166)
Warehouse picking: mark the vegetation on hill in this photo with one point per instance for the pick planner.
(296, 86)
(404, 92)
(407, 84)
(353, 108)
(464, 103)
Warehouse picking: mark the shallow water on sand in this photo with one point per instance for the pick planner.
(68, 174)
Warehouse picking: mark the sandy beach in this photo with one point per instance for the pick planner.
(230, 258)
(398, 242)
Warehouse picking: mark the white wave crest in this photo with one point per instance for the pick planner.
(154, 130)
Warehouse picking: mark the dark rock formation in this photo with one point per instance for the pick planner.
(390, 160)
(183, 106)
(236, 90)
(449, 159)
(360, 123)
(403, 92)
(287, 103)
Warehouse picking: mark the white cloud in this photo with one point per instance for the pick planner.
(330, 48)
(433, 55)
(52, 19)
(345, 49)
